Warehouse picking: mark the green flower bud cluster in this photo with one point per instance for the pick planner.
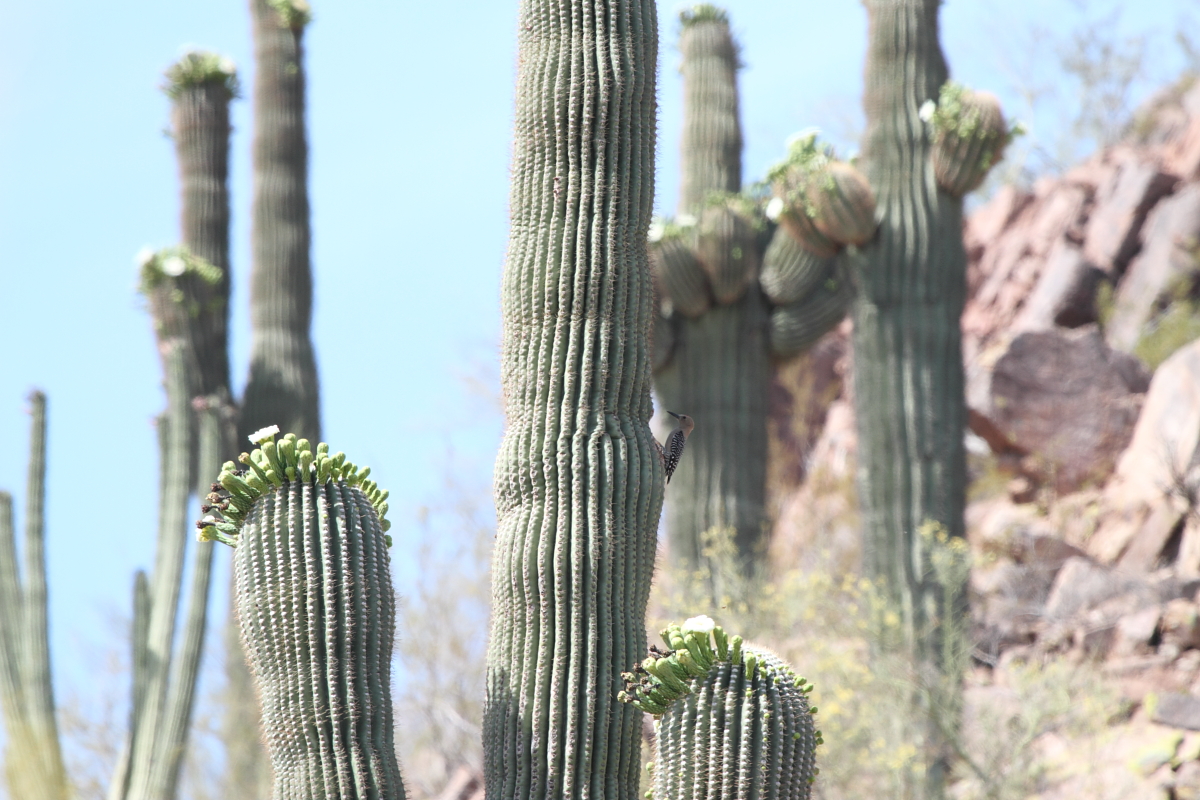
(197, 68)
(702, 12)
(694, 648)
(732, 720)
(294, 14)
(158, 267)
(267, 468)
(822, 202)
(970, 135)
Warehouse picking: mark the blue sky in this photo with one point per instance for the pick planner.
(410, 124)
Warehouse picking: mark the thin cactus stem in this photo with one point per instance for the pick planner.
(166, 581)
(36, 645)
(215, 441)
(579, 483)
(316, 606)
(34, 765)
(282, 387)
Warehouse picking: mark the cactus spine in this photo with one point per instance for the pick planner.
(578, 481)
(732, 720)
(714, 340)
(317, 613)
(282, 387)
(33, 758)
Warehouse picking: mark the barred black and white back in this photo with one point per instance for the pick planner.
(672, 450)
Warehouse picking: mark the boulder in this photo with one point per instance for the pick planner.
(1181, 624)
(1062, 396)
(1135, 631)
(1065, 293)
(1168, 258)
(1176, 709)
(1009, 265)
(1121, 204)
(1082, 584)
(1144, 502)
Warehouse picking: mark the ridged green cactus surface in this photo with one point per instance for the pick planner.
(969, 136)
(317, 610)
(578, 480)
(33, 763)
(733, 721)
(714, 340)
(282, 387)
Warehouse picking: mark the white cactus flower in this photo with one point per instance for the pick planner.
(702, 624)
(926, 110)
(657, 229)
(174, 266)
(774, 209)
(264, 434)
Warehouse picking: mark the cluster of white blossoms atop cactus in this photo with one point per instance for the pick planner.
(267, 468)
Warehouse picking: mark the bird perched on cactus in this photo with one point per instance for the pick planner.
(673, 449)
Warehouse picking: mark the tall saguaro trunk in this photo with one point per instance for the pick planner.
(282, 388)
(578, 479)
(187, 289)
(907, 345)
(719, 373)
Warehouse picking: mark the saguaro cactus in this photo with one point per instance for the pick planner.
(282, 387)
(187, 289)
(732, 720)
(317, 612)
(578, 479)
(33, 758)
(907, 347)
(716, 334)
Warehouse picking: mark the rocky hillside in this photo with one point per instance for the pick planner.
(1083, 363)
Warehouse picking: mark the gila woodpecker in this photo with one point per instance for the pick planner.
(673, 449)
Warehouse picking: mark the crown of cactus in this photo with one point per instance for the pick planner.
(824, 203)
(316, 607)
(969, 136)
(733, 720)
(202, 68)
(264, 472)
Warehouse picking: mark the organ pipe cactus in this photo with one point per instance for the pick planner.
(282, 385)
(33, 756)
(578, 480)
(317, 610)
(716, 331)
(732, 720)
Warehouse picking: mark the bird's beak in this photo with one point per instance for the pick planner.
(673, 414)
